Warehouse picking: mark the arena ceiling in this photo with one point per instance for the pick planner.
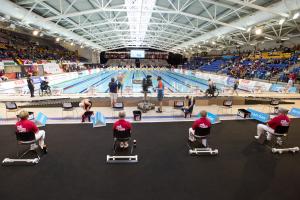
(168, 25)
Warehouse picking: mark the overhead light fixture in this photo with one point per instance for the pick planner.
(57, 39)
(296, 15)
(35, 32)
(81, 46)
(284, 38)
(213, 42)
(258, 31)
(249, 29)
(268, 38)
(12, 26)
(281, 21)
(72, 43)
(41, 34)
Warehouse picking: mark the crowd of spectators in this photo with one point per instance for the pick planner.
(249, 66)
(262, 68)
(23, 47)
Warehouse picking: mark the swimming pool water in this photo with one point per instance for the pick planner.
(174, 82)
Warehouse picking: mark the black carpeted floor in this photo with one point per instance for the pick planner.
(75, 167)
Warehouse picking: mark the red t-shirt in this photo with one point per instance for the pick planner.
(280, 120)
(203, 122)
(26, 126)
(160, 85)
(122, 125)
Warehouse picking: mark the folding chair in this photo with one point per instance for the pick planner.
(67, 107)
(27, 139)
(280, 133)
(196, 147)
(227, 105)
(11, 107)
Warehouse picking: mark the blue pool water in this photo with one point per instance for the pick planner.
(174, 82)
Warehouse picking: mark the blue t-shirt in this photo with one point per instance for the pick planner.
(113, 87)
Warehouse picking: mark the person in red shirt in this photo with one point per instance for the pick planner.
(203, 122)
(122, 125)
(280, 120)
(26, 126)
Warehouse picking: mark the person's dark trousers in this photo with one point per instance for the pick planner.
(31, 89)
(87, 116)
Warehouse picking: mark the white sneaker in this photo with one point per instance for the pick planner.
(33, 147)
(256, 137)
(122, 145)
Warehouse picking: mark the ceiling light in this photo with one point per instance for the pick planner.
(296, 15)
(35, 32)
(258, 31)
(249, 29)
(41, 34)
(285, 38)
(213, 42)
(57, 39)
(12, 26)
(281, 21)
(269, 38)
(72, 43)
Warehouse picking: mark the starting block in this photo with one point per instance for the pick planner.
(284, 150)
(121, 159)
(203, 151)
(9, 161)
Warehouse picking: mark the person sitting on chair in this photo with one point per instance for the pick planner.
(202, 123)
(27, 126)
(122, 125)
(189, 109)
(280, 120)
(86, 104)
(45, 84)
(211, 88)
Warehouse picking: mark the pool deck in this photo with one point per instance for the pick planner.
(26, 98)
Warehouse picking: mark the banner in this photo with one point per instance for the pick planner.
(295, 112)
(212, 117)
(282, 88)
(52, 68)
(98, 120)
(259, 116)
(41, 119)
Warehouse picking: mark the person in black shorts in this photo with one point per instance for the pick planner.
(113, 91)
(235, 87)
(30, 85)
(86, 105)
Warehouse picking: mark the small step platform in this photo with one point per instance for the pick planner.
(122, 155)
(9, 161)
(285, 150)
(196, 148)
(122, 159)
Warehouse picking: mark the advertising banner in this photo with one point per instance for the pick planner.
(259, 116)
(295, 112)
